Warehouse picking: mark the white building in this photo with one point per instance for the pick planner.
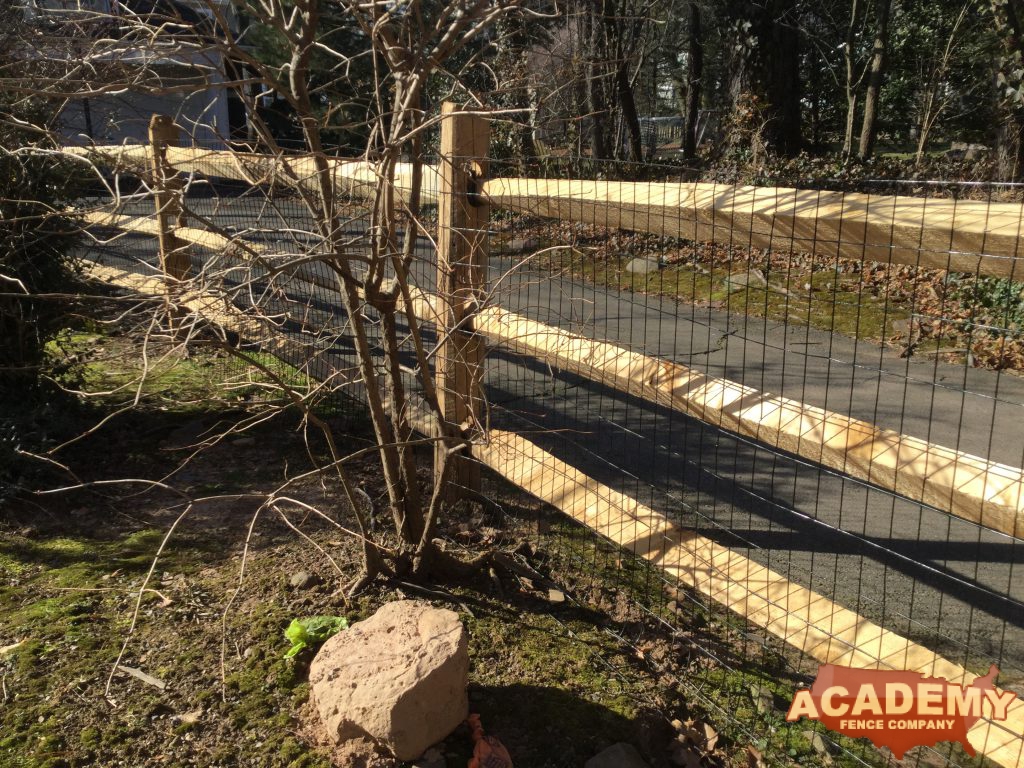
(182, 78)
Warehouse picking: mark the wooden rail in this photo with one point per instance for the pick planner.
(216, 311)
(971, 236)
(976, 237)
(970, 487)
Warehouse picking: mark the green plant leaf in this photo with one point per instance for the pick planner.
(312, 631)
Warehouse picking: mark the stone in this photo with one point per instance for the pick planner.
(398, 678)
(818, 742)
(763, 698)
(619, 755)
(643, 266)
(752, 278)
(522, 245)
(244, 442)
(304, 580)
(556, 596)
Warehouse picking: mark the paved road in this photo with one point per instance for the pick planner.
(935, 578)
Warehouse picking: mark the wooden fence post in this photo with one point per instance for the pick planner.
(462, 245)
(167, 191)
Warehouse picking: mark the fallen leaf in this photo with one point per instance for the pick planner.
(189, 718)
(9, 648)
(138, 674)
(710, 738)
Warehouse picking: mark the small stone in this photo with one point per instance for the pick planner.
(522, 245)
(556, 596)
(818, 742)
(642, 266)
(304, 580)
(189, 718)
(244, 442)
(753, 277)
(619, 755)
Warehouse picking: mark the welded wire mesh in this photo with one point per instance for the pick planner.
(821, 319)
(764, 301)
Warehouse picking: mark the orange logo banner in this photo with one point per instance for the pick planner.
(899, 710)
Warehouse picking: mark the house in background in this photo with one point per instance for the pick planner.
(190, 80)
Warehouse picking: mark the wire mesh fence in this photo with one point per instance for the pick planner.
(899, 346)
(797, 407)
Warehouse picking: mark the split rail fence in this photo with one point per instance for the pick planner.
(980, 238)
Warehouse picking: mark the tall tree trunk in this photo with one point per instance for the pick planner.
(851, 116)
(816, 89)
(769, 70)
(627, 102)
(1010, 146)
(694, 82)
(596, 103)
(876, 71)
(782, 65)
(1007, 15)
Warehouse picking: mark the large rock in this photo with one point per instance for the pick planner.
(398, 678)
(643, 266)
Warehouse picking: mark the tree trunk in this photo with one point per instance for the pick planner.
(783, 92)
(1007, 15)
(595, 90)
(624, 91)
(694, 81)
(853, 79)
(851, 116)
(869, 128)
(769, 71)
(1010, 146)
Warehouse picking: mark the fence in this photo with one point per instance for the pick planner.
(720, 379)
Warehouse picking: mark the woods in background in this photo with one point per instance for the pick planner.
(740, 81)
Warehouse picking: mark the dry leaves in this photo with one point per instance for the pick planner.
(696, 745)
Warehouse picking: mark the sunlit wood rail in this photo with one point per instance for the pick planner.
(970, 236)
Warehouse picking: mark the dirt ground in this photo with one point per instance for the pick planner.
(112, 655)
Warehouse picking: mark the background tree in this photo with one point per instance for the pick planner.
(875, 73)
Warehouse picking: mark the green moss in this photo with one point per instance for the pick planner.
(203, 379)
(830, 305)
